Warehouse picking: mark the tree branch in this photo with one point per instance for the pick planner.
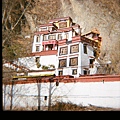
(20, 16)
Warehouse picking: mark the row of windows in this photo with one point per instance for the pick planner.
(72, 62)
(64, 50)
(53, 37)
(62, 24)
(74, 72)
(73, 49)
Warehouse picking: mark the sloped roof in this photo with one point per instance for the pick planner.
(95, 31)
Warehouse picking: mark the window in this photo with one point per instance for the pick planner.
(63, 24)
(60, 72)
(37, 48)
(85, 48)
(74, 71)
(59, 36)
(62, 63)
(86, 71)
(37, 39)
(45, 37)
(74, 48)
(49, 47)
(66, 36)
(91, 62)
(52, 37)
(63, 50)
(44, 29)
(73, 61)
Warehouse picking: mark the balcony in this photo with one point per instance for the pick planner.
(50, 42)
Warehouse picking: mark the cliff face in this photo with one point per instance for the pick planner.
(101, 14)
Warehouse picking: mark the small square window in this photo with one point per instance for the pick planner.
(62, 63)
(59, 36)
(60, 73)
(74, 48)
(86, 71)
(74, 71)
(37, 48)
(63, 50)
(73, 61)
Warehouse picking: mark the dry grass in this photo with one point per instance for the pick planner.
(61, 106)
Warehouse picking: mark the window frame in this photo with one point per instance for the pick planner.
(60, 72)
(73, 51)
(37, 48)
(73, 71)
(53, 36)
(60, 53)
(73, 64)
(43, 28)
(45, 37)
(37, 39)
(87, 71)
(65, 63)
(85, 48)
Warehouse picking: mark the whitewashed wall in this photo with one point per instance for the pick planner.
(47, 60)
(100, 94)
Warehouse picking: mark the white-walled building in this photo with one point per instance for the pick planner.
(60, 43)
(60, 46)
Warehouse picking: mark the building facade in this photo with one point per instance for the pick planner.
(60, 44)
(59, 48)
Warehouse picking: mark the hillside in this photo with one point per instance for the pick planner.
(23, 15)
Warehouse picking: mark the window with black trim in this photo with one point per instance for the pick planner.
(85, 48)
(91, 63)
(59, 36)
(63, 63)
(73, 61)
(60, 72)
(37, 39)
(52, 37)
(44, 29)
(63, 50)
(74, 71)
(74, 48)
(66, 35)
(86, 72)
(37, 48)
(45, 37)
